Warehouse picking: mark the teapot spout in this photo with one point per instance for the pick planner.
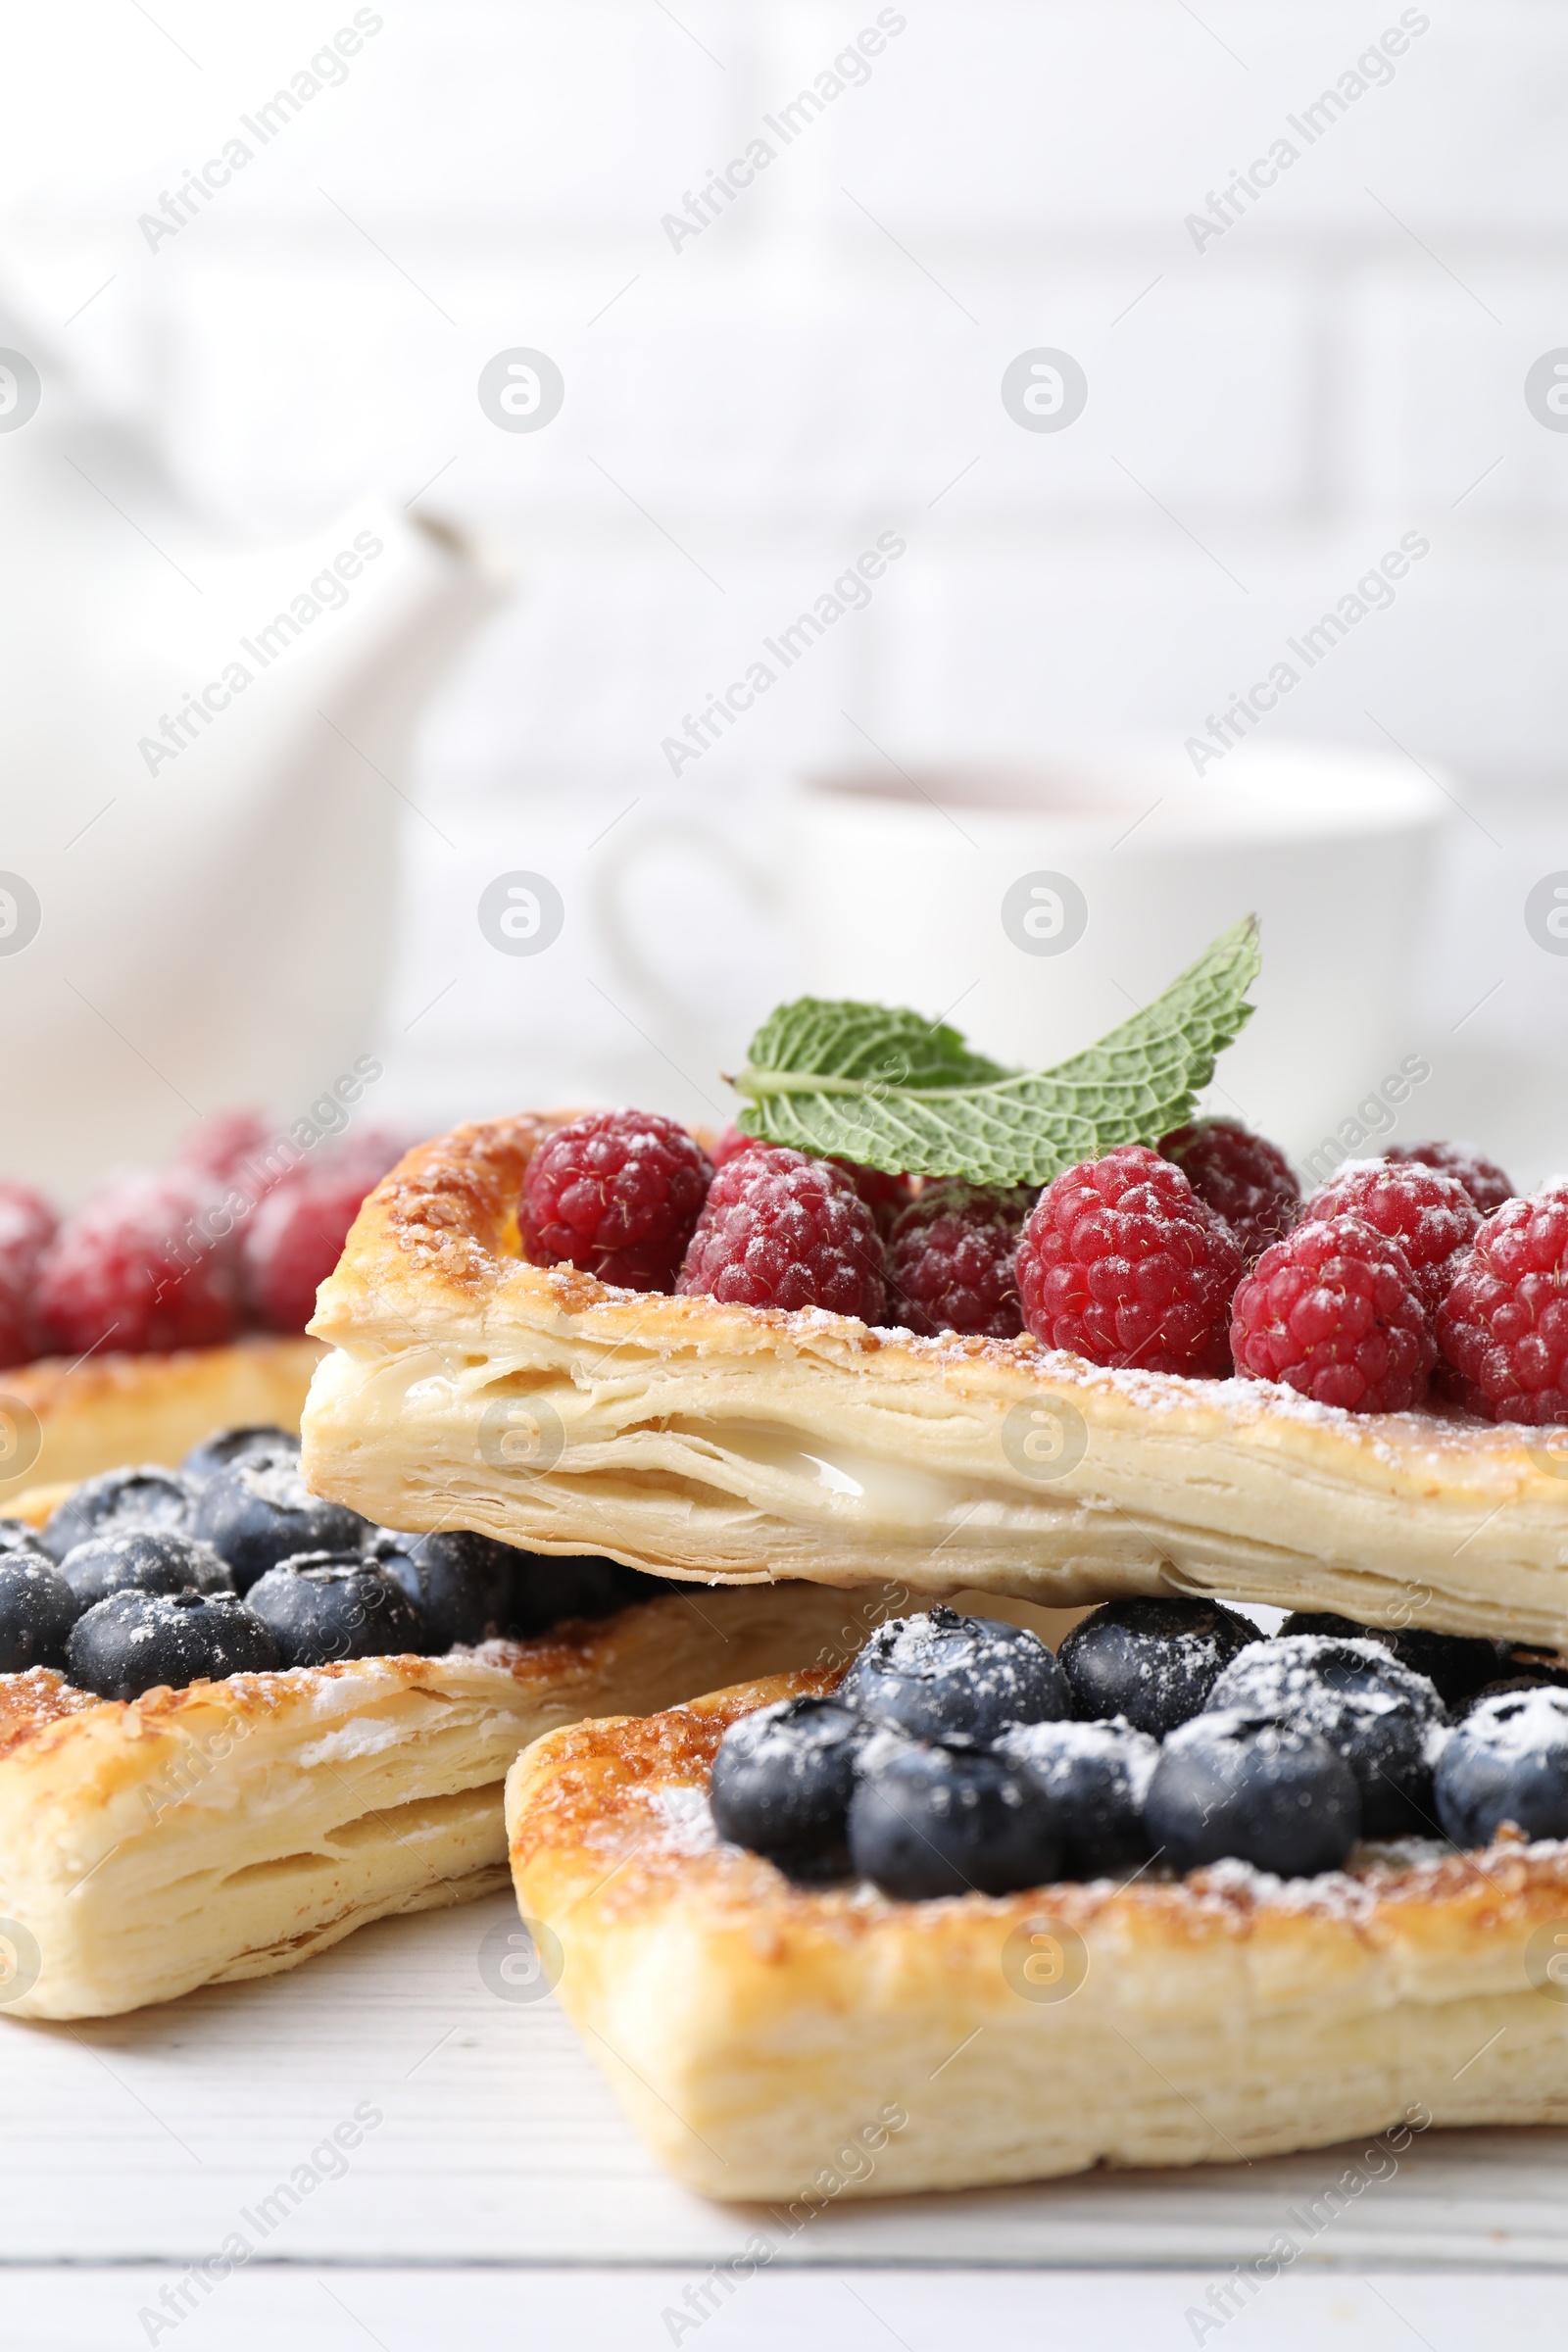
(424, 593)
(212, 859)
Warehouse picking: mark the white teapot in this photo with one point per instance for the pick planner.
(203, 753)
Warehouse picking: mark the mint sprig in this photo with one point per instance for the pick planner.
(891, 1090)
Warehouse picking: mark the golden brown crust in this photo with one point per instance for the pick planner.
(451, 1205)
(115, 1408)
(234, 1828)
(31, 1702)
(752, 2026)
(729, 1442)
(585, 1791)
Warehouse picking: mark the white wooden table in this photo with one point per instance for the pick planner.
(497, 2180)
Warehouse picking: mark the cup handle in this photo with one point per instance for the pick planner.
(606, 888)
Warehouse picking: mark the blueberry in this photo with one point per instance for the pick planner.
(258, 1512)
(1526, 1669)
(946, 1676)
(115, 1499)
(926, 1821)
(225, 1447)
(461, 1581)
(1328, 1621)
(1536, 1680)
(1095, 1776)
(17, 1536)
(1457, 1664)
(325, 1605)
(1380, 1716)
(134, 1640)
(37, 1610)
(471, 1587)
(546, 1590)
(150, 1559)
(782, 1781)
(1232, 1784)
(1507, 1761)
(1152, 1661)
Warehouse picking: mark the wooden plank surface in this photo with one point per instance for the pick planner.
(346, 2309)
(155, 2137)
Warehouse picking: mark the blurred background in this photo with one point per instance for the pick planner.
(1029, 291)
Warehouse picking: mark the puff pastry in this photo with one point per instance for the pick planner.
(762, 2035)
(468, 1387)
(236, 1828)
(61, 1422)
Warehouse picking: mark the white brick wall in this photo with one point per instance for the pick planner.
(820, 365)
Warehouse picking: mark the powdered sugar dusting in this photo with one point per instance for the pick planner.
(363, 1735)
(686, 1821)
(1004, 1672)
(1522, 1722)
(1425, 1440)
(1312, 1678)
(1332, 1894)
(1406, 1868)
(1112, 1744)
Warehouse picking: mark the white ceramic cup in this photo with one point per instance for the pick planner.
(1038, 906)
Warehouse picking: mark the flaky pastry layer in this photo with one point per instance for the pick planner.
(77, 1419)
(764, 2037)
(468, 1387)
(236, 1828)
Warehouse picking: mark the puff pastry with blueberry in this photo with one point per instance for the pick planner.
(237, 1722)
(1181, 1894)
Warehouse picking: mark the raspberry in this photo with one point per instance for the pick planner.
(1431, 1216)
(296, 1233)
(616, 1194)
(226, 1154)
(1485, 1182)
(1123, 1263)
(134, 1267)
(949, 1261)
(27, 1227)
(370, 1152)
(780, 1230)
(1504, 1326)
(1248, 1180)
(886, 1197)
(1333, 1310)
(729, 1143)
(220, 1145)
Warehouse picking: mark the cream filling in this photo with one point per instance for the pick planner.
(795, 1473)
(888, 1493)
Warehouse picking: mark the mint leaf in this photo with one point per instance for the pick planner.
(815, 1044)
(889, 1090)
